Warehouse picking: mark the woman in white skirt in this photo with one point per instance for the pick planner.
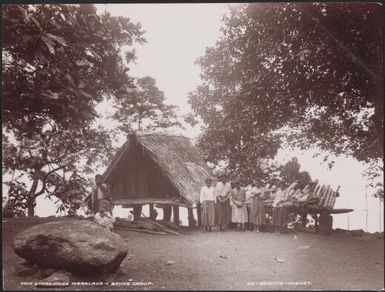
(238, 208)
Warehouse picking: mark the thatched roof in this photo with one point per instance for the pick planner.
(178, 159)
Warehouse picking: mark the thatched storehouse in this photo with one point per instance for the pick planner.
(156, 168)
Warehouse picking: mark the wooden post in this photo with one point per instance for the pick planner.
(175, 211)
(167, 213)
(151, 211)
(303, 219)
(137, 212)
(199, 214)
(191, 220)
(316, 227)
(325, 223)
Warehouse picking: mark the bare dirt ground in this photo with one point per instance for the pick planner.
(227, 261)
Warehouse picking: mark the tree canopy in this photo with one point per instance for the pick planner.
(59, 62)
(144, 108)
(290, 172)
(311, 73)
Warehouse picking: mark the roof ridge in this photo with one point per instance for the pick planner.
(158, 133)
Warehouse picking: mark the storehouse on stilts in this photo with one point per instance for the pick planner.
(157, 168)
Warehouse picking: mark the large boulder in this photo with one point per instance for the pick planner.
(79, 246)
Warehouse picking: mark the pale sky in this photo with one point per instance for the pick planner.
(177, 34)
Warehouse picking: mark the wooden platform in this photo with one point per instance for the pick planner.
(313, 210)
(340, 211)
(142, 201)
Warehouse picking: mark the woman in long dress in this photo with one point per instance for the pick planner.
(257, 210)
(207, 199)
(238, 210)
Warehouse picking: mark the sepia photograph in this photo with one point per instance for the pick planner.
(193, 146)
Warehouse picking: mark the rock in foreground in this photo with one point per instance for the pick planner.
(78, 246)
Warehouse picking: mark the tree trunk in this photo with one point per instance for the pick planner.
(31, 208)
(175, 211)
(31, 201)
(378, 123)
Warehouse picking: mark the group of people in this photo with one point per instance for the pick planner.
(225, 203)
(222, 204)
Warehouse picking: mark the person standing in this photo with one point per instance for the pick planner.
(99, 192)
(280, 212)
(207, 199)
(257, 210)
(239, 211)
(223, 209)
